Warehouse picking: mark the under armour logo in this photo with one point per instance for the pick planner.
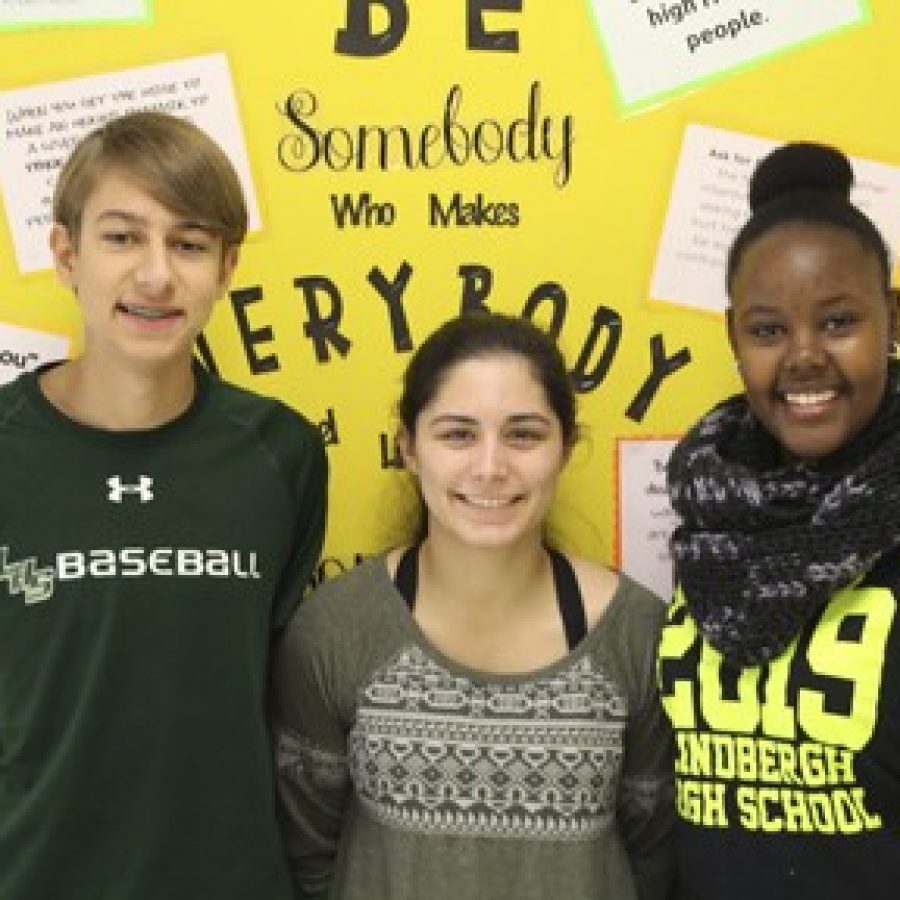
(118, 489)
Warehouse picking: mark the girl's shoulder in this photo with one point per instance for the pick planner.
(598, 585)
(346, 625)
(355, 601)
(608, 593)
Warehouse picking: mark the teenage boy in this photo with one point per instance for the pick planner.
(157, 527)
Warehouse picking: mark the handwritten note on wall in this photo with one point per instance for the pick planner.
(41, 124)
(659, 48)
(645, 519)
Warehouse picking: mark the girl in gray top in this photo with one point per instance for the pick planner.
(475, 715)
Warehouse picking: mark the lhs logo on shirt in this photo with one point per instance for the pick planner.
(118, 489)
(25, 577)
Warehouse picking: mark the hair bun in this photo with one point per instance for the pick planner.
(800, 166)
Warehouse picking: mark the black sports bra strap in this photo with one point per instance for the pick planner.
(406, 578)
(568, 596)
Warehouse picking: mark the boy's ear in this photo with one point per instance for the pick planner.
(230, 256)
(64, 252)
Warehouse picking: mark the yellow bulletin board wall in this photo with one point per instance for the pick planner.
(589, 233)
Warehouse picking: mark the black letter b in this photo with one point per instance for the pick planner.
(356, 39)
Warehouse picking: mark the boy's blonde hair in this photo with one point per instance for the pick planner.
(174, 161)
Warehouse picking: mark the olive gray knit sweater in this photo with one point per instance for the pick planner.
(406, 776)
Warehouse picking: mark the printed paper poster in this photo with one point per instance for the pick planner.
(645, 518)
(659, 48)
(23, 349)
(23, 13)
(708, 205)
(42, 124)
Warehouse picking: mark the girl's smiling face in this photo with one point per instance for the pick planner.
(487, 451)
(811, 326)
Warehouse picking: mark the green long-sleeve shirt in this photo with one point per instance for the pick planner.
(142, 575)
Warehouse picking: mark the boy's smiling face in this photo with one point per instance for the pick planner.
(146, 278)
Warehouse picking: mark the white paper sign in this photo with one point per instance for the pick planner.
(708, 205)
(22, 349)
(657, 48)
(40, 126)
(645, 518)
(37, 12)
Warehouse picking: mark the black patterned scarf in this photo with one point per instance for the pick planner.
(763, 543)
